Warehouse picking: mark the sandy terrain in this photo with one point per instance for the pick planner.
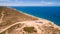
(15, 22)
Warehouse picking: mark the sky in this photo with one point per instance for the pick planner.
(29, 2)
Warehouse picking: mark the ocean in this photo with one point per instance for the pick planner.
(51, 13)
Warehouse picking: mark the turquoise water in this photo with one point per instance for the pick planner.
(49, 13)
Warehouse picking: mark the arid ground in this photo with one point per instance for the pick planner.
(13, 21)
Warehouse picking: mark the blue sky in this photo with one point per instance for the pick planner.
(29, 2)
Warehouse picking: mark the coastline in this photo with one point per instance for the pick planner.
(28, 22)
(38, 18)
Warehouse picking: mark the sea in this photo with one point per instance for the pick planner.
(51, 13)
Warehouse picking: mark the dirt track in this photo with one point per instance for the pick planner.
(13, 22)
